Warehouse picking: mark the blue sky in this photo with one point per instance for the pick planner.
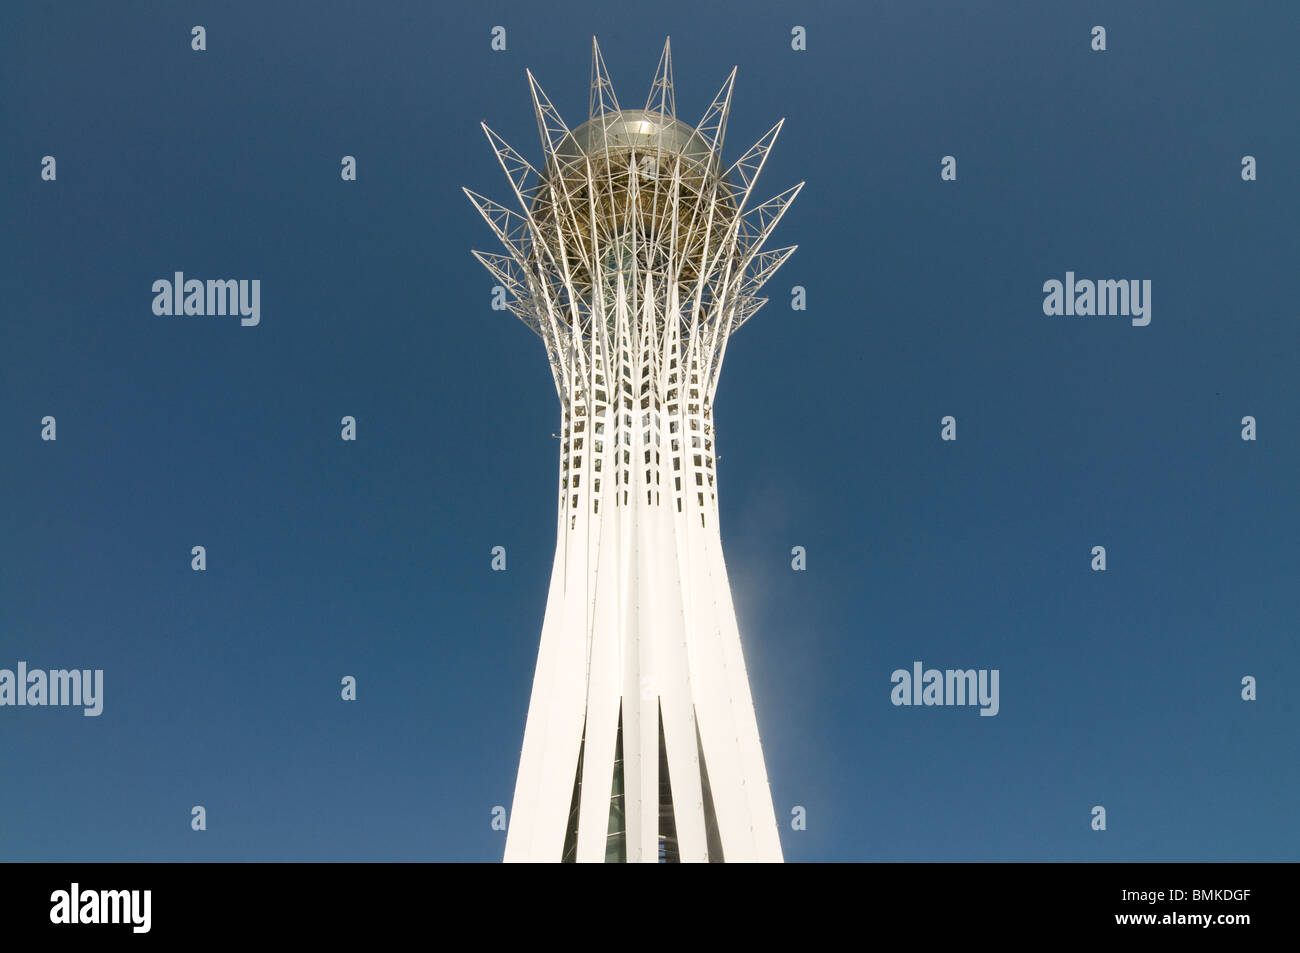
(371, 558)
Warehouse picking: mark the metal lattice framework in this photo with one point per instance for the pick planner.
(635, 255)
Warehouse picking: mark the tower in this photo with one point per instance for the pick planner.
(635, 256)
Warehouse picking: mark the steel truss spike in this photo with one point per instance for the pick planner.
(602, 99)
(661, 99)
(713, 127)
(550, 125)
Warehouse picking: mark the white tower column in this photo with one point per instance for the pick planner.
(634, 257)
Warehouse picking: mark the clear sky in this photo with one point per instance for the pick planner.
(222, 688)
